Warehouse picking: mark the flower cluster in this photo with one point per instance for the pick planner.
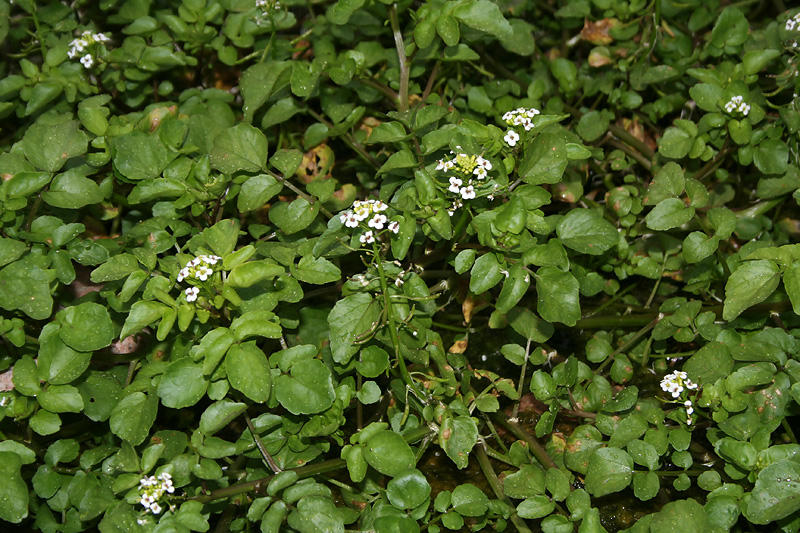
(466, 174)
(518, 117)
(737, 104)
(82, 44)
(370, 212)
(152, 489)
(199, 268)
(268, 6)
(678, 383)
(793, 23)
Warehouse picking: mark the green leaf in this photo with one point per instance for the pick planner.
(677, 140)
(755, 60)
(388, 132)
(222, 236)
(610, 470)
(241, 147)
(71, 190)
(398, 161)
(344, 9)
(255, 323)
(791, 282)
(308, 389)
(388, 453)
(182, 385)
(58, 363)
(592, 125)
(49, 146)
(527, 482)
(317, 271)
(514, 288)
(706, 95)
(469, 500)
(681, 515)
(485, 273)
(771, 156)
(86, 327)
(293, 217)
(117, 267)
(408, 490)
(248, 371)
(545, 161)
(558, 298)
(252, 272)
(776, 494)
(100, 393)
(750, 284)
(697, 246)
(730, 29)
(447, 28)
(484, 16)
(26, 287)
(139, 156)
(351, 319)
(257, 191)
(586, 231)
(668, 214)
(262, 82)
(536, 507)
(61, 399)
(220, 414)
(133, 417)
(13, 490)
(526, 323)
(457, 437)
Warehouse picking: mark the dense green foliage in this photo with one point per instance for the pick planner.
(446, 265)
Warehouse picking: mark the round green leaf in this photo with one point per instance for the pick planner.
(25, 286)
(610, 470)
(750, 284)
(183, 384)
(220, 414)
(587, 232)
(139, 156)
(558, 298)
(241, 147)
(49, 146)
(668, 214)
(536, 507)
(308, 389)
(86, 327)
(408, 489)
(133, 417)
(469, 500)
(388, 453)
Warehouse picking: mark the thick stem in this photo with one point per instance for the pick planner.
(537, 449)
(393, 325)
(405, 71)
(303, 472)
(491, 477)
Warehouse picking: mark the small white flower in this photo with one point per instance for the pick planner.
(100, 37)
(729, 107)
(480, 172)
(790, 24)
(377, 221)
(511, 138)
(442, 165)
(455, 185)
(399, 282)
(183, 274)
(485, 163)
(737, 99)
(155, 508)
(350, 220)
(367, 238)
(87, 61)
(394, 227)
(191, 293)
(468, 192)
(203, 272)
(744, 109)
(379, 206)
(210, 259)
(688, 420)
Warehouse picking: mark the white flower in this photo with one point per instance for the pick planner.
(203, 272)
(744, 109)
(442, 165)
(511, 138)
(184, 273)
(399, 282)
(100, 37)
(367, 238)
(87, 61)
(209, 259)
(468, 192)
(394, 227)
(480, 172)
(737, 99)
(729, 107)
(155, 508)
(350, 220)
(485, 163)
(191, 293)
(377, 221)
(455, 184)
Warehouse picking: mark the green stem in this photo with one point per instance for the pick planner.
(308, 198)
(393, 325)
(402, 104)
(303, 472)
(261, 448)
(720, 258)
(39, 34)
(537, 449)
(633, 340)
(349, 141)
(491, 477)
